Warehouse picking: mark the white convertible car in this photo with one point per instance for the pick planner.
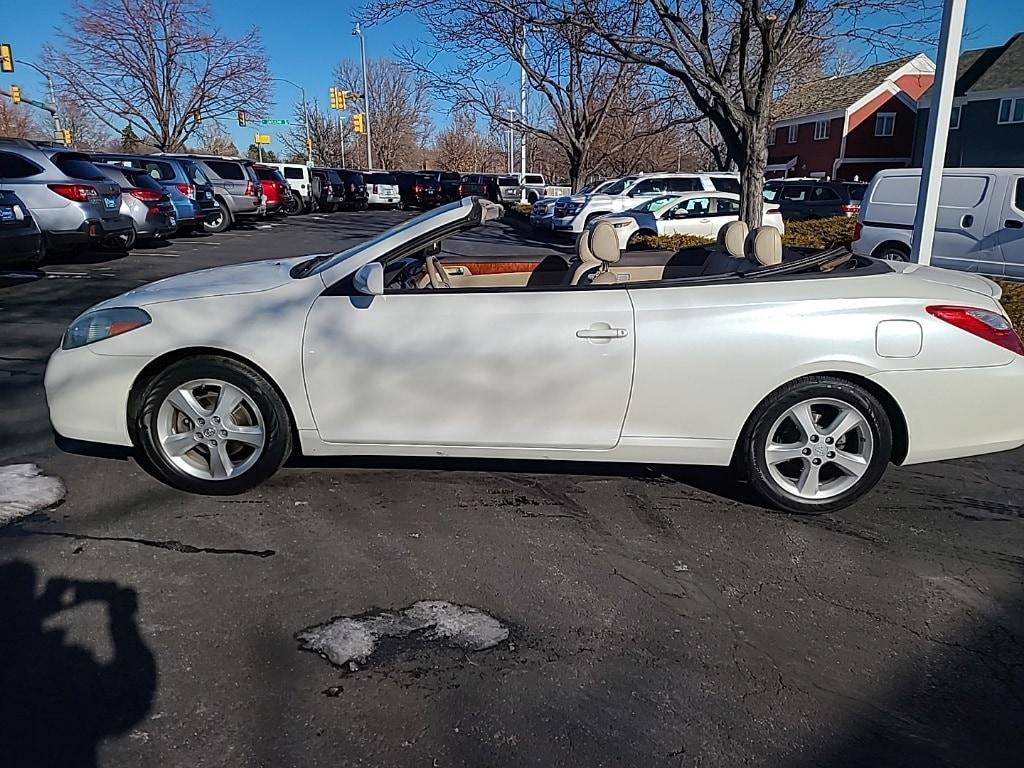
(807, 372)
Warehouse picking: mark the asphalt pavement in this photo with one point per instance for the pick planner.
(633, 616)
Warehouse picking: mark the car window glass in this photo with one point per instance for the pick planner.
(649, 186)
(226, 170)
(794, 192)
(1018, 196)
(654, 204)
(530, 179)
(265, 174)
(726, 207)
(115, 175)
(957, 191)
(684, 184)
(771, 193)
(508, 181)
(823, 195)
(334, 178)
(617, 187)
(856, 191)
(144, 180)
(695, 206)
(76, 166)
(158, 170)
(195, 174)
(17, 167)
(293, 173)
(726, 184)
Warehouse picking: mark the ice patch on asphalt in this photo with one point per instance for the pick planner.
(350, 640)
(24, 489)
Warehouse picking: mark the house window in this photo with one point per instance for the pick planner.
(885, 123)
(1011, 111)
(771, 137)
(793, 129)
(954, 118)
(821, 130)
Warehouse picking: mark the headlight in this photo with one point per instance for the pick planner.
(573, 207)
(102, 324)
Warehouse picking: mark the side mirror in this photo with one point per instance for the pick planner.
(369, 279)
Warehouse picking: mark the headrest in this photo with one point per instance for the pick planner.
(764, 246)
(583, 248)
(731, 238)
(604, 243)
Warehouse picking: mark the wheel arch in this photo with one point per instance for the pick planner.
(158, 364)
(893, 412)
(898, 245)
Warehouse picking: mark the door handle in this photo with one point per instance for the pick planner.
(967, 221)
(1014, 224)
(602, 333)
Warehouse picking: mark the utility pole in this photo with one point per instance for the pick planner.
(358, 32)
(511, 140)
(522, 109)
(938, 131)
(341, 133)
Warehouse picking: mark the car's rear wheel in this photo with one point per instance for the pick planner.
(212, 425)
(892, 252)
(219, 220)
(816, 445)
(292, 206)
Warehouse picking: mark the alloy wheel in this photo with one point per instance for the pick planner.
(819, 448)
(210, 429)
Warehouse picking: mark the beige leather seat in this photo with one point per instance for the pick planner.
(596, 249)
(730, 253)
(763, 247)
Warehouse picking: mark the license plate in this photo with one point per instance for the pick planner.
(110, 203)
(172, 221)
(7, 213)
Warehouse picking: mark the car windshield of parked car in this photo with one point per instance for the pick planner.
(617, 187)
(77, 166)
(654, 204)
(327, 261)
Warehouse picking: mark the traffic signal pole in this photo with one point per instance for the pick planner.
(57, 132)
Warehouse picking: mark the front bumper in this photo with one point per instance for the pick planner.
(567, 224)
(952, 413)
(87, 394)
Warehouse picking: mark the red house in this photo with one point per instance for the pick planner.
(851, 126)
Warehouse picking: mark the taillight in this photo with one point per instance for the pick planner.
(375, 189)
(145, 195)
(856, 230)
(250, 190)
(773, 210)
(460, 190)
(849, 208)
(80, 193)
(351, 187)
(417, 188)
(983, 323)
(187, 190)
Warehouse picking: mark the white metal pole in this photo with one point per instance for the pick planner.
(938, 131)
(305, 119)
(522, 111)
(510, 153)
(366, 96)
(341, 135)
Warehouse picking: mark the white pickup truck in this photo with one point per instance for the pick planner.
(572, 214)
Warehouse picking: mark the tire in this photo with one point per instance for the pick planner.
(812, 480)
(532, 198)
(121, 243)
(216, 224)
(292, 207)
(892, 252)
(259, 414)
(38, 259)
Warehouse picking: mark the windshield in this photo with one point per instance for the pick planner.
(617, 187)
(856, 191)
(655, 204)
(320, 263)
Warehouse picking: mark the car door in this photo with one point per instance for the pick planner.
(964, 223)
(689, 217)
(792, 200)
(1010, 228)
(471, 367)
(723, 210)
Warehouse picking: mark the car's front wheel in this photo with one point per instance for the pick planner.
(816, 445)
(212, 425)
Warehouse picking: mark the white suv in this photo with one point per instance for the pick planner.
(300, 181)
(572, 214)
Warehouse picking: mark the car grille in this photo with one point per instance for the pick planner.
(561, 209)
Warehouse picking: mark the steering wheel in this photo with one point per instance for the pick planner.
(436, 273)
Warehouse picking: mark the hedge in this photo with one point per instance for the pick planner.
(1013, 302)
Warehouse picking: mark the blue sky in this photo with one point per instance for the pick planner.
(306, 39)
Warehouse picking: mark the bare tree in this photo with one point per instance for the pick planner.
(461, 147)
(86, 130)
(492, 40)
(18, 121)
(157, 65)
(214, 140)
(325, 134)
(400, 111)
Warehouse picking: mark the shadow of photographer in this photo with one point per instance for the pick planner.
(58, 702)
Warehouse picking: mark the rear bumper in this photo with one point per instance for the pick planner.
(89, 232)
(959, 412)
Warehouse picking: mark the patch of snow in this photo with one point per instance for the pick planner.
(346, 639)
(24, 489)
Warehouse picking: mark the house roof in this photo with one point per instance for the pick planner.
(832, 93)
(992, 69)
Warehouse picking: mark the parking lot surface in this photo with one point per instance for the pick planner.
(619, 615)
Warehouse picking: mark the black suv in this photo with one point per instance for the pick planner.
(483, 185)
(812, 199)
(449, 183)
(417, 189)
(20, 240)
(353, 191)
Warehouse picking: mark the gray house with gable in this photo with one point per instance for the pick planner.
(987, 125)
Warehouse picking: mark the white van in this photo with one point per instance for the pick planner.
(980, 224)
(300, 181)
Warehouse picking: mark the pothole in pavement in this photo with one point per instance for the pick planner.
(24, 489)
(350, 642)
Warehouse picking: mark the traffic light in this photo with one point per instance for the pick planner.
(241, 118)
(357, 123)
(16, 94)
(6, 58)
(67, 137)
(309, 145)
(337, 98)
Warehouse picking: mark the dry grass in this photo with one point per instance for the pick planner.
(1013, 302)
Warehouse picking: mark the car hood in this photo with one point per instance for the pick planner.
(251, 277)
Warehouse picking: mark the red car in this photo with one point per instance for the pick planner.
(275, 189)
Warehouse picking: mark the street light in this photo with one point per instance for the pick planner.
(53, 95)
(305, 116)
(357, 31)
